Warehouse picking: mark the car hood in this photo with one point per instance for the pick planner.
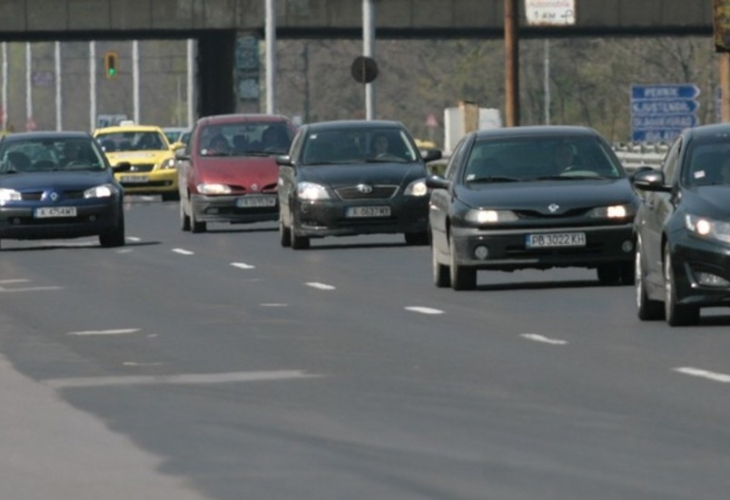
(70, 181)
(135, 157)
(539, 195)
(708, 201)
(366, 173)
(240, 171)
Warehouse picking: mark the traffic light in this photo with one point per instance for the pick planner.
(111, 66)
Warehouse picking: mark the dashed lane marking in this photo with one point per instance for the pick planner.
(274, 305)
(182, 251)
(424, 310)
(133, 238)
(320, 286)
(545, 340)
(121, 331)
(241, 265)
(698, 372)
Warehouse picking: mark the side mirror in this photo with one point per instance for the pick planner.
(284, 161)
(437, 182)
(431, 154)
(124, 166)
(180, 154)
(650, 180)
(176, 145)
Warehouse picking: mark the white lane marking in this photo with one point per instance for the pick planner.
(274, 305)
(132, 363)
(14, 281)
(121, 331)
(698, 372)
(320, 286)
(211, 378)
(182, 251)
(424, 310)
(241, 265)
(133, 238)
(30, 289)
(544, 340)
(125, 250)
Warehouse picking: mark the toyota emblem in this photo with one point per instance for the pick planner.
(365, 188)
(553, 207)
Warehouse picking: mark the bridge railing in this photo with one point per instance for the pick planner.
(637, 154)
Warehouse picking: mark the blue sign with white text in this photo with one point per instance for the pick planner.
(660, 112)
(680, 91)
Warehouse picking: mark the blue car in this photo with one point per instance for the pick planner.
(58, 185)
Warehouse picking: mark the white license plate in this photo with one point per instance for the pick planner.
(256, 201)
(134, 179)
(368, 212)
(555, 240)
(45, 212)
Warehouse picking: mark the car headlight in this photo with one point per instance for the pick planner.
(613, 212)
(311, 191)
(168, 163)
(213, 189)
(416, 188)
(482, 216)
(103, 191)
(708, 228)
(9, 195)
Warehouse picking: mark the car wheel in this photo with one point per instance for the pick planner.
(417, 239)
(462, 278)
(441, 276)
(647, 309)
(284, 234)
(184, 218)
(196, 226)
(115, 237)
(676, 314)
(170, 196)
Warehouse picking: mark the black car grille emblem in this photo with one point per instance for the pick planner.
(365, 188)
(553, 207)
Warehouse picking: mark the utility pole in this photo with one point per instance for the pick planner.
(725, 86)
(512, 64)
(191, 82)
(307, 104)
(59, 101)
(135, 79)
(270, 57)
(368, 35)
(546, 83)
(92, 85)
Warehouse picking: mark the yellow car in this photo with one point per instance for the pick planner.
(145, 159)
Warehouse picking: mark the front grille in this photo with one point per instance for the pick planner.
(378, 193)
(69, 195)
(534, 214)
(142, 167)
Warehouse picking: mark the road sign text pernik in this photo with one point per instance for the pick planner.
(659, 113)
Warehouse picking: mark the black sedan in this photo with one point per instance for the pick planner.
(532, 197)
(58, 185)
(683, 229)
(351, 177)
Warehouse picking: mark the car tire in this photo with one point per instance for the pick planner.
(170, 196)
(299, 242)
(647, 309)
(462, 278)
(115, 237)
(284, 234)
(196, 226)
(184, 218)
(441, 276)
(616, 274)
(676, 314)
(417, 239)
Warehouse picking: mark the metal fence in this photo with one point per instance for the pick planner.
(637, 154)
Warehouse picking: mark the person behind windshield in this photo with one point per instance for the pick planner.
(274, 138)
(563, 157)
(380, 145)
(724, 173)
(71, 152)
(219, 145)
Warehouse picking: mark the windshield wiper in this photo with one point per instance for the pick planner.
(495, 178)
(570, 177)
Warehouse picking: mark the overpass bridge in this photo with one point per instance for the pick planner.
(220, 25)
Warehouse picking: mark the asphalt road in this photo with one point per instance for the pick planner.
(222, 366)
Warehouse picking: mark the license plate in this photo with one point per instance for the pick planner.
(45, 212)
(368, 212)
(256, 201)
(555, 240)
(134, 179)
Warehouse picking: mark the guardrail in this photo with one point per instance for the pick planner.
(637, 154)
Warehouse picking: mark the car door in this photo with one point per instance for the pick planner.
(441, 200)
(287, 179)
(658, 207)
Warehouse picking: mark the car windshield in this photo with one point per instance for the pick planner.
(133, 141)
(53, 154)
(359, 145)
(245, 139)
(540, 158)
(707, 163)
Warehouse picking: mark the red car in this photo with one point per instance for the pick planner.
(228, 171)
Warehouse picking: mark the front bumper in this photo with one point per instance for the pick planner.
(153, 182)
(226, 209)
(18, 222)
(692, 255)
(408, 214)
(507, 249)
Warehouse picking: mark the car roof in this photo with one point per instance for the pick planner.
(352, 124)
(242, 117)
(128, 128)
(24, 136)
(709, 131)
(536, 131)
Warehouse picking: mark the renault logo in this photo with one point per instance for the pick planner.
(365, 188)
(553, 207)
(254, 187)
(53, 196)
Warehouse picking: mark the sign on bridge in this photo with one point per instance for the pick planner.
(550, 12)
(659, 113)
